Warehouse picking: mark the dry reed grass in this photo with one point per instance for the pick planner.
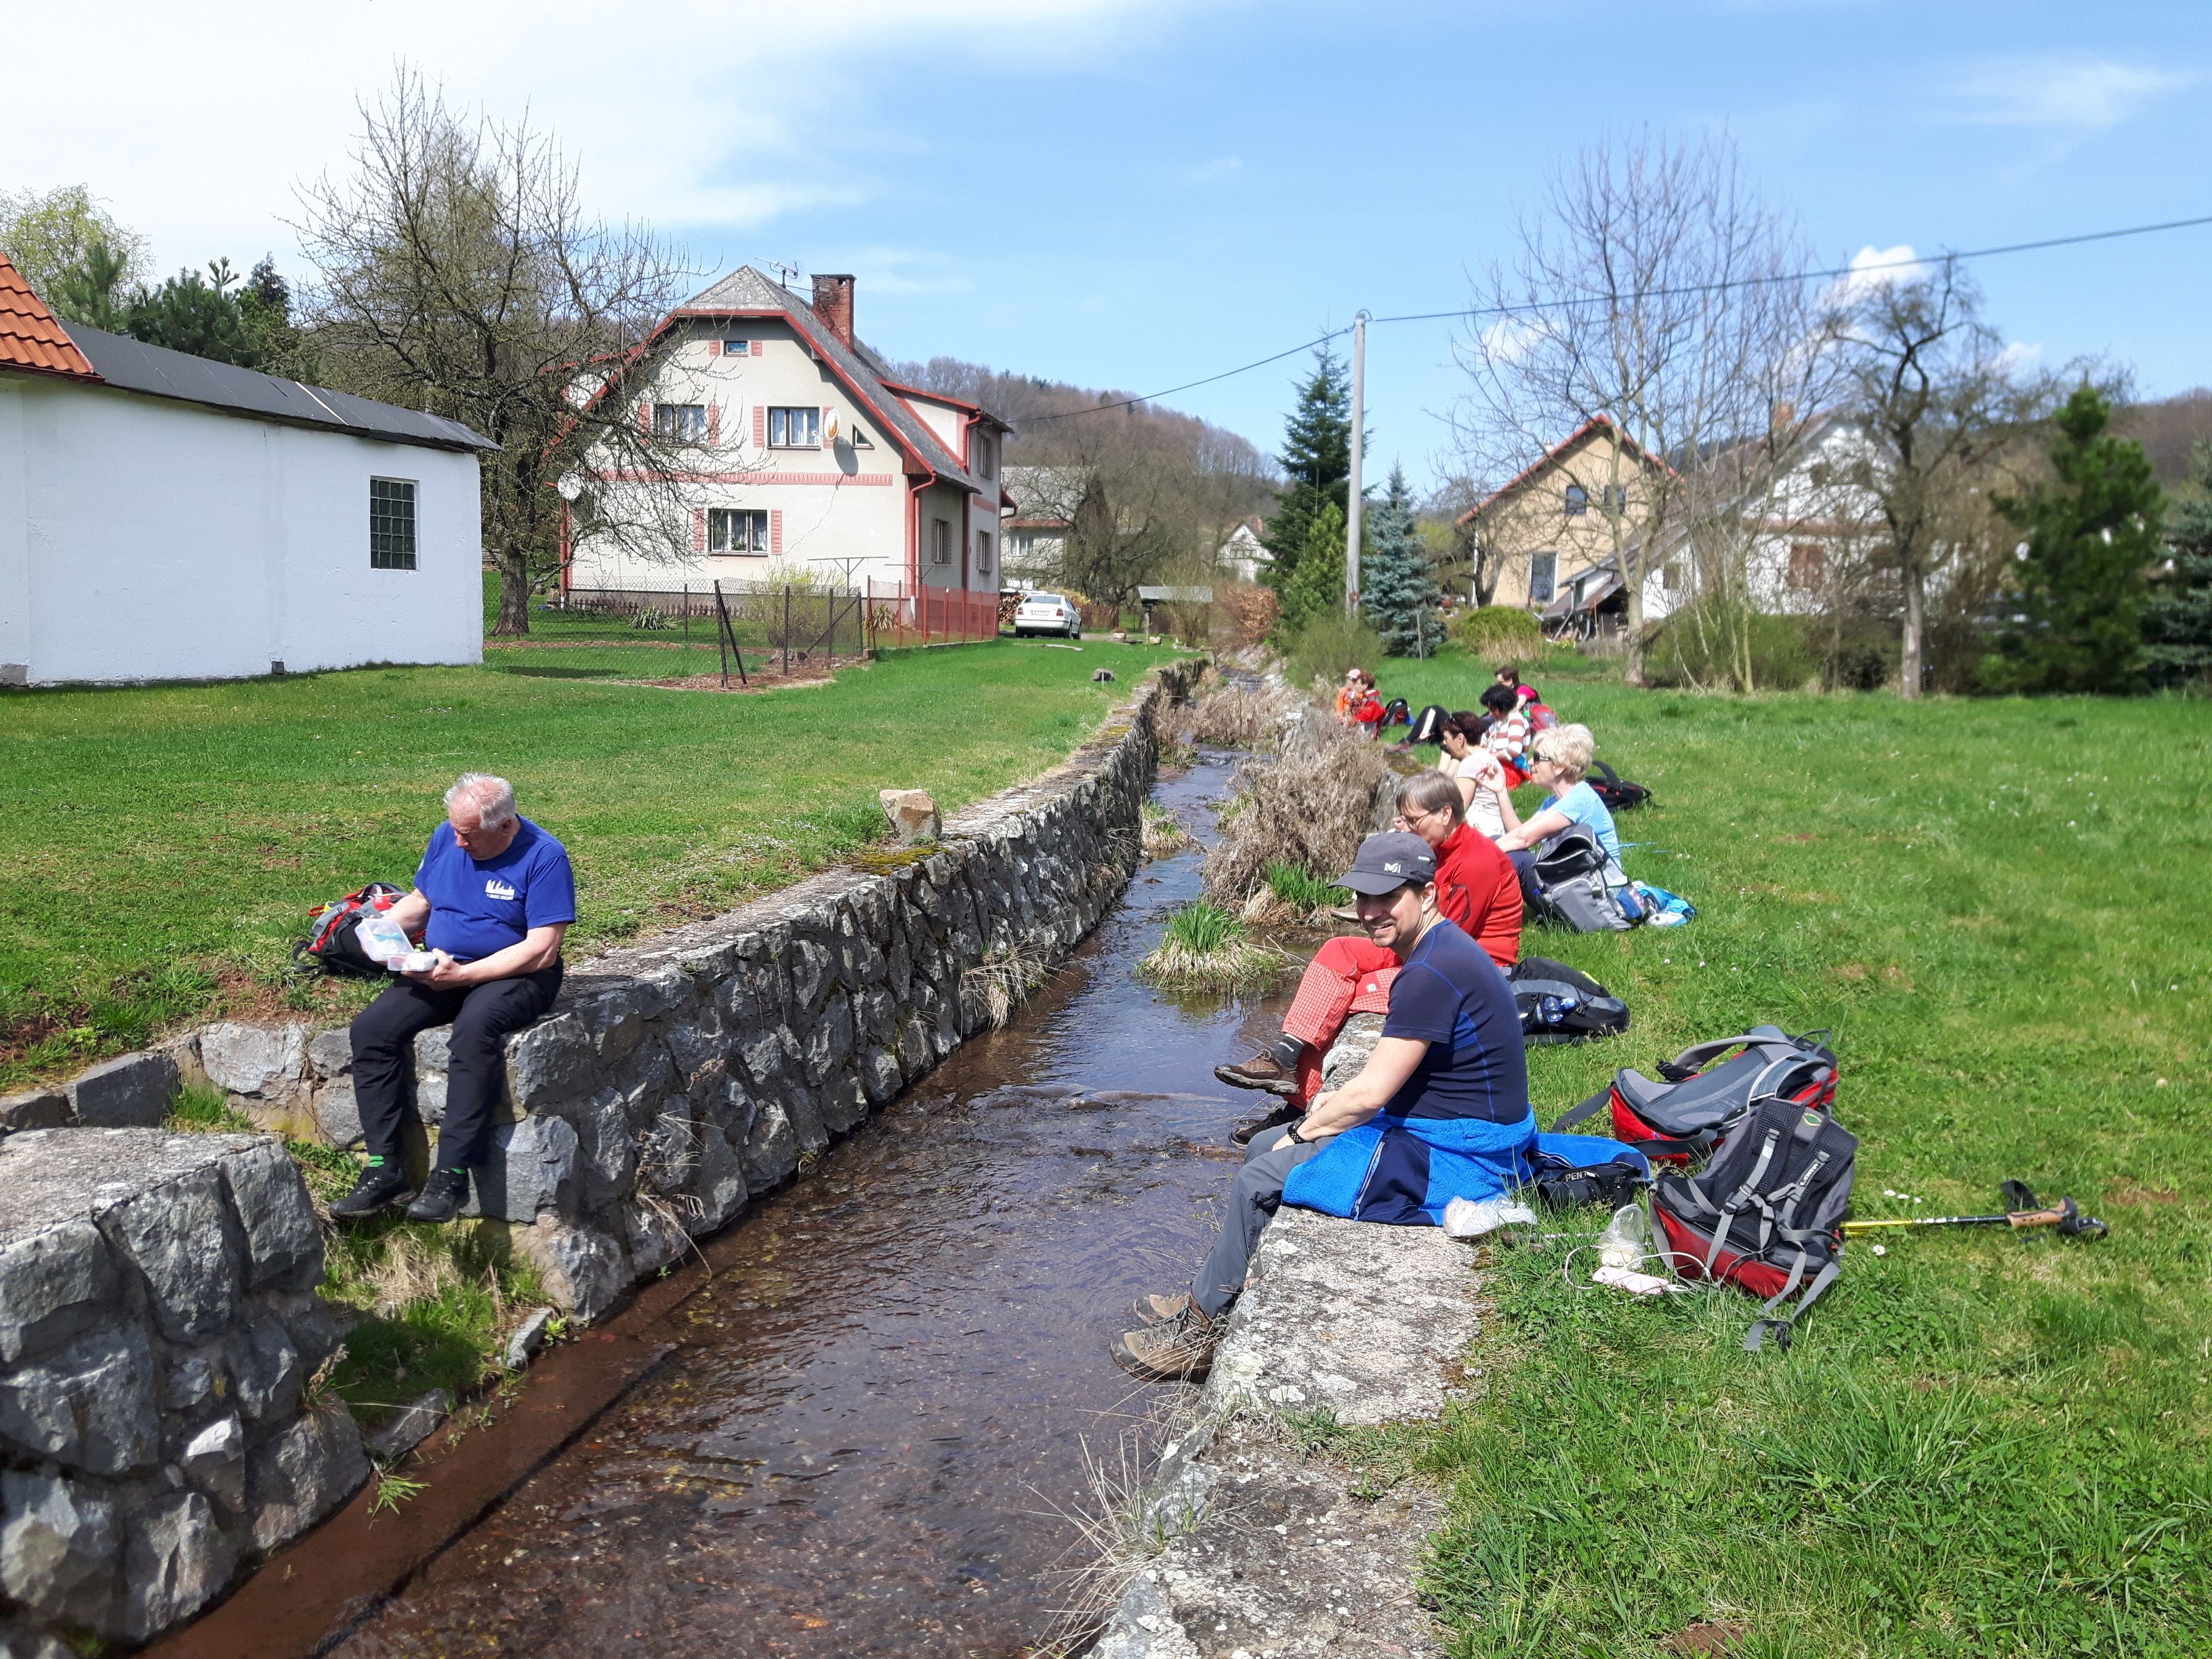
(1310, 808)
(1164, 837)
(1002, 979)
(1243, 715)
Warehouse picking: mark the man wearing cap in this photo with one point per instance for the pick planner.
(1447, 1076)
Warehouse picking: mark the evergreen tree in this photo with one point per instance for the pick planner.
(1395, 589)
(2089, 540)
(1316, 459)
(1316, 586)
(2176, 618)
(189, 312)
(91, 291)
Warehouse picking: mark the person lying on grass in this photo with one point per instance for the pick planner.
(1557, 759)
(495, 896)
(1441, 1108)
(1475, 890)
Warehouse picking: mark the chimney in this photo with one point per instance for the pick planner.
(833, 303)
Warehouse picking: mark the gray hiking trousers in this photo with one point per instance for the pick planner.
(1253, 1202)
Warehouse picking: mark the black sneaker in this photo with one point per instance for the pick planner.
(383, 1185)
(443, 1195)
(1252, 1127)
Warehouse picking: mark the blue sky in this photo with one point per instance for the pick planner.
(1129, 193)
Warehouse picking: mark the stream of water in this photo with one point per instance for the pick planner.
(887, 1398)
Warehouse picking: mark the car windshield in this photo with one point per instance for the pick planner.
(1046, 598)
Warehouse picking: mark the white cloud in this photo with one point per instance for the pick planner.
(1221, 169)
(2079, 93)
(2018, 354)
(1872, 267)
(1509, 339)
(688, 113)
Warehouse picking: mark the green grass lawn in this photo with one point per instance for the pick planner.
(160, 847)
(1982, 1443)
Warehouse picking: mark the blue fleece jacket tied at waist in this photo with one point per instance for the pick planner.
(1404, 1170)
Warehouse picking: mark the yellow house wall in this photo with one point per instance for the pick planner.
(1533, 518)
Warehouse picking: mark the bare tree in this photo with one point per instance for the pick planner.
(1941, 400)
(459, 273)
(1657, 291)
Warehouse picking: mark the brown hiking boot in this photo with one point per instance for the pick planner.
(1262, 1071)
(1180, 1351)
(1252, 1128)
(1160, 1310)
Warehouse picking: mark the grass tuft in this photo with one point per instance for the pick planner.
(1301, 891)
(1204, 948)
(1163, 835)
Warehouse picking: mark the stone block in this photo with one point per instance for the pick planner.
(188, 1376)
(177, 1560)
(606, 1150)
(302, 1475)
(337, 1113)
(18, 1640)
(266, 1375)
(717, 1186)
(619, 1035)
(434, 1049)
(214, 1460)
(550, 1063)
(809, 965)
(531, 1170)
(829, 1042)
(915, 1054)
(527, 1337)
(880, 1076)
(36, 1109)
(583, 1270)
(655, 1237)
(91, 1406)
(60, 1550)
(410, 1425)
(133, 1092)
(915, 819)
(330, 1054)
(254, 1060)
(430, 1096)
(772, 1149)
(53, 1285)
(806, 1119)
(283, 1241)
(664, 991)
(179, 1237)
(842, 1101)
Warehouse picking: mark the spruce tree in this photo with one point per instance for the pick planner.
(1316, 460)
(2176, 618)
(2089, 540)
(1395, 589)
(1316, 586)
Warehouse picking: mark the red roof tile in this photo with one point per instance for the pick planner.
(30, 337)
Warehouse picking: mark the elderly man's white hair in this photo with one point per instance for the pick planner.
(493, 798)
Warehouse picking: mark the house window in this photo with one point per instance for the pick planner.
(1578, 500)
(1808, 566)
(982, 552)
(1543, 577)
(1670, 576)
(680, 423)
(860, 439)
(1615, 497)
(940, 541)
(794, 429)
(736, 348)
(986, 455)
(390, 524)
(737, 530)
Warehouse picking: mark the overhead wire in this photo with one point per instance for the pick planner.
(1472, 312)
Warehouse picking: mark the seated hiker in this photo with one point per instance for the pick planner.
(1507, 734)
(1352, 693)
(494, 894)
(1441, 1108)
(1558, 757)
(1427, 727)
(1480, 774)
(1475, 890)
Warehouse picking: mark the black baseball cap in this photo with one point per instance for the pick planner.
(1388, 862)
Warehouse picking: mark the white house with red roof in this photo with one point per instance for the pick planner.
(802, 451)
(165, 517)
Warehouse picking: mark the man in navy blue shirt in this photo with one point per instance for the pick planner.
(1450, 1050)
(492, 900)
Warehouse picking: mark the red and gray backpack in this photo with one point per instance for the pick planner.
(1701, 1093)
(332, 946)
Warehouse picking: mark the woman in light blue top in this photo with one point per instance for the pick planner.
(1560, 757)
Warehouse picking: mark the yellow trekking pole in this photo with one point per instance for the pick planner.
(2065, 1215)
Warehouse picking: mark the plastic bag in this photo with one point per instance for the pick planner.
(1626, 1239)
(1466, 1218)
(382, 939)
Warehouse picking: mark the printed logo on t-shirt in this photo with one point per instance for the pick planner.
(497, 888)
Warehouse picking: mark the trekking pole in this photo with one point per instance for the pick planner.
(2065, 1215)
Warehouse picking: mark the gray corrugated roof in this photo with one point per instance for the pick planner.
(134, 365)
(747, 289)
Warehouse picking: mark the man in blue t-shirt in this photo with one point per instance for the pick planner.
(1450, 1049)
(492, 900)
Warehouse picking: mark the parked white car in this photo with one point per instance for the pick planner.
(1047, 613)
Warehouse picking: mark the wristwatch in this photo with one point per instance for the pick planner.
(1295, 1138)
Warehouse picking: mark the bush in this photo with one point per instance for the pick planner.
(1328, 645)
(1504, 632)
(1713, 649)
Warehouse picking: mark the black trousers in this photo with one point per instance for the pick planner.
(483, 1017)
(1523, 860)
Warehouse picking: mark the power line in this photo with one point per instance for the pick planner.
(1473, 311)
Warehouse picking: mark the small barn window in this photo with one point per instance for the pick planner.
(390, 524)
(736, 348)
(737, 530)
(794, 429)
(1578, 500)
(1543, 577)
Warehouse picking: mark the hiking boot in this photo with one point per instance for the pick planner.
(443, 1195)
(1179, 1351)
(1262, 1071)
(385, 1184)
(1160, 1310)
(1252, 1127)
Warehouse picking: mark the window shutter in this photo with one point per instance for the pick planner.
(827, 416)
(760, 426)
(757, 346)
(698, 530)
(645, 418)
(713, 426)
(713, 348)
(775, 533)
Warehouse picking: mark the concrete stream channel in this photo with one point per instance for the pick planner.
(866, 1421)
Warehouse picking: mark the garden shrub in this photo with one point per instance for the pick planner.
(1503, 631)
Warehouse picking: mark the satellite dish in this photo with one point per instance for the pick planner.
(570, 487)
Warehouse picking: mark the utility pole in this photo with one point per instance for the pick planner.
(1358, 449)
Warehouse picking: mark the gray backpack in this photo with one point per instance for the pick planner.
(1571, 868)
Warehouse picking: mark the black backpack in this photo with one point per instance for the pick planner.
(1767, 1214)
(332, 946)
(1571, 872)
(1701, 1093)
(1428, 724)
(1618, 794)
(1558, 1004)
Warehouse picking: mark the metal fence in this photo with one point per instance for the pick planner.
(898, 615)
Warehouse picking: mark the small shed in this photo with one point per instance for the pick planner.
(1190, 609)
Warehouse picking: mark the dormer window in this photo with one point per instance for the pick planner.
(1578, 500)
(741, 347)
